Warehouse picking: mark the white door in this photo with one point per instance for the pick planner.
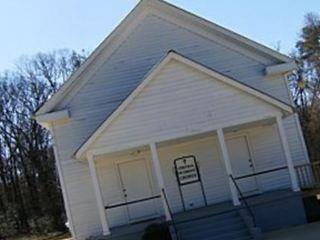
(242, 164)
(136, 185)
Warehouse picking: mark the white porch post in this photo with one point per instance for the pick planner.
(98, 195)
(227, 163)
(157, 170)
(286, 150)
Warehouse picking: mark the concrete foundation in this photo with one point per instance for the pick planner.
(277, 210)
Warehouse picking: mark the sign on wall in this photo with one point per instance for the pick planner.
(187, 170)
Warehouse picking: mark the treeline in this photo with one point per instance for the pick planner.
(30, 196)
(305, 83)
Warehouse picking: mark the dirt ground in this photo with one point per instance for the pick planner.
(59, 236)
(305, 232)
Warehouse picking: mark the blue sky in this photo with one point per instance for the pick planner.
(28, 27)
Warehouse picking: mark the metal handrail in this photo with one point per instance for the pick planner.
(261, 172)
(170, 213)
(131, 202)
(308, 175)
(244, 200)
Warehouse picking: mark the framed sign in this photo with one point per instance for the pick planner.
(187, 170)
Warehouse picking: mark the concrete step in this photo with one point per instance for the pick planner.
(228, 226)
(209, 231)
(234, 235)
(210, 223)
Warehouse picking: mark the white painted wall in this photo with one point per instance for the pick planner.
(181, 100)
(266, 153)
(211, 169)
(119, 75)
(111, 185)
(78, 184)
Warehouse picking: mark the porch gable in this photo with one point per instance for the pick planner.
(180, 97)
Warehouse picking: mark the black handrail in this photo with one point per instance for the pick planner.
(260, 173)
(171, 215)
(244, 200)
(131, 202)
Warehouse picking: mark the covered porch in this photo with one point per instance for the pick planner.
(224, 220)
(140, 182)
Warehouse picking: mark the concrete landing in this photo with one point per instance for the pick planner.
(309, 231)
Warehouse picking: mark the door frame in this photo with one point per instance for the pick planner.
(231, 136)
(120, 184)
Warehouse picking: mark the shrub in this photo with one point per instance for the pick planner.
(157, 232)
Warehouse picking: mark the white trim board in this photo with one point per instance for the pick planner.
(62, 182)
(120, 33)
(153, 72)
(209, 26)
(53, 117)
(142, 144)
(280, 68)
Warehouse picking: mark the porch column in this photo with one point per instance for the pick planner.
(159, 176)
(227, 163)
(287, 154)
(98, 195)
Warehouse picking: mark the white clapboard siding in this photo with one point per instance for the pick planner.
(150, 41)
(266, 153)
(78, 185)
(211, 169)
(111, 187)
(118, 76)
(296, 143)
(181, 100)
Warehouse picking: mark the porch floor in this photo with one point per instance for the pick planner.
(135, 231)
(224, 207)
(131, 231)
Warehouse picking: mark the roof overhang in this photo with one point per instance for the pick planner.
(279, 69)
(172, 55)
(59, 117)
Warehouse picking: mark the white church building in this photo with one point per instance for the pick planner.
(171, 118)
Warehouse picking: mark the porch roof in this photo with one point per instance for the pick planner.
(172, 55)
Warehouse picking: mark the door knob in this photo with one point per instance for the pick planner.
(125, 195)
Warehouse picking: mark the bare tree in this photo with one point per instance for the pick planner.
(305, 82)
(30, 196)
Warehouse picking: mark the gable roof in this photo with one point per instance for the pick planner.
(172, 55)
(107, 47)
